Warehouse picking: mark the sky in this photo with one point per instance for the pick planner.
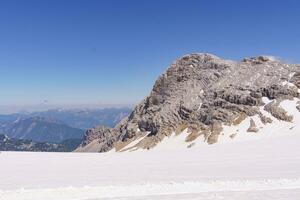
(83, 53)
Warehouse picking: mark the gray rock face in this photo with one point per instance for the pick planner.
(105, 136)
(201, 92)
(278, 112)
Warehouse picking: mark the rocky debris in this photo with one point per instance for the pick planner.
(232, 135)
(104, 136)
(258, 60)
(239, 119)
(264, 119)
(95, 133)
(204, 92)
(252, 127)
(192, 136)
(191, 145)
(298, 106)
(295, 79)
(277, 111)
(216, 130)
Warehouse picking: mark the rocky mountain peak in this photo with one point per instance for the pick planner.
(201, 93)
(260, 59)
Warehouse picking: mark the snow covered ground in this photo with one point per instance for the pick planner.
(268, 168)
(263, 165)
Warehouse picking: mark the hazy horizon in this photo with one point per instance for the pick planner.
(14, 109)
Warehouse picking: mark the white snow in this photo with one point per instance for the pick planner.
(262, 165)
(156, 190)
(229, 170)
(277, 128)
(131, 146)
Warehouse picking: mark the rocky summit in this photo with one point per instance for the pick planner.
(201, 94)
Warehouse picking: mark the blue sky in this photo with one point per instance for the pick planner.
(111, 52)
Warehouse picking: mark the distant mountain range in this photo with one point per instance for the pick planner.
(56, 126)
(86, 118)
(40, 129)
(12, 144)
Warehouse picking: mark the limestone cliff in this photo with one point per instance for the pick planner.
(201, 93)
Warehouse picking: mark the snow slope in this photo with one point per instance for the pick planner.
(268, 168)
(262, 165)
(277, 128)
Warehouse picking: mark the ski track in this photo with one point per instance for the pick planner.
(164, 191)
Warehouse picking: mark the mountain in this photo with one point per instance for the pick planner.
(8, 118)
(86, 118)
(202, 98)
(5, 120)
(40, 129)
(77, 118)
(12, 144)
(57, 125)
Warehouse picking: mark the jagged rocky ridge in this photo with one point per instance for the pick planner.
(201, 93)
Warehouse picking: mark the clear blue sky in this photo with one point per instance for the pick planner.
(111, 52)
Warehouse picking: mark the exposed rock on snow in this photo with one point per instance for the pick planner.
(253, 127)
(202, 93)
(265, 119)
(278, 112)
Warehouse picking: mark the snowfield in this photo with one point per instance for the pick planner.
(263, 165)
(268, 168)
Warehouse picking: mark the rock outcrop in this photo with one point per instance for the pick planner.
(201, 93)
(252, 127)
